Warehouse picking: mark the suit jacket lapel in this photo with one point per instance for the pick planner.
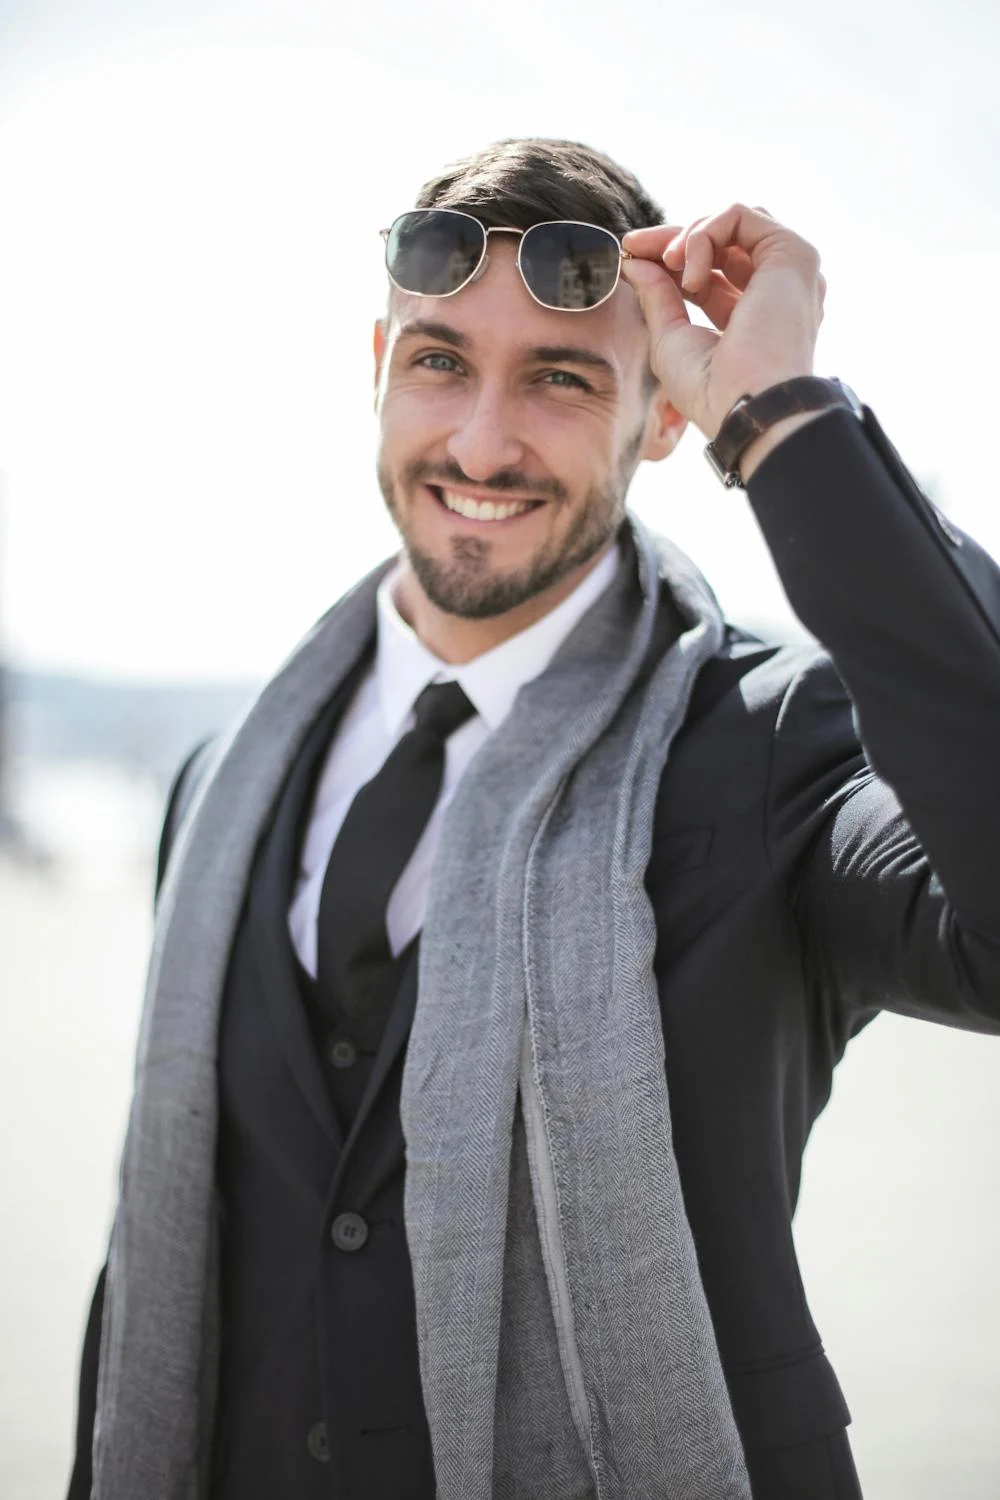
(270, 895)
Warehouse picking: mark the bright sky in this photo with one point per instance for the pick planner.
(190, 266)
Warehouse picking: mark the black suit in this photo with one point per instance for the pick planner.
(795, 898)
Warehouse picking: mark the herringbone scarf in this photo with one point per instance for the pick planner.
(566, 1348)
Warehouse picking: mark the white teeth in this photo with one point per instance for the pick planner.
(482, 510)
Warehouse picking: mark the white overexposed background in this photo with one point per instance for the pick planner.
(190, 198)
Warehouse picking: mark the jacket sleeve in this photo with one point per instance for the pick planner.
(80, 1479)
(893, 855)
(179, 798)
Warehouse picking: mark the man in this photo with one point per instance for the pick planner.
(506, 949)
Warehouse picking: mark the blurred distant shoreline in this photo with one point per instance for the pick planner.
(138, 726)
(85, 763)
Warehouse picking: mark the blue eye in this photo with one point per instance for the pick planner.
(438, 361)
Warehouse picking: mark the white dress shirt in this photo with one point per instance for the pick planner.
(381, 712)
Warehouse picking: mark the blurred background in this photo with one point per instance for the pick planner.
(189, 268)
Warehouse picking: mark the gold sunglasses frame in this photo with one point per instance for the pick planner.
(480, 266)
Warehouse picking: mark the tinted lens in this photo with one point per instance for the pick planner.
(570, 265)
(433, 251)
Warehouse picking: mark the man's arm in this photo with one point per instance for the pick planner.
(898, 871)
(910, 615)
(179, 799)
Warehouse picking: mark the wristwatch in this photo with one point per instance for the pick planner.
(753, 415)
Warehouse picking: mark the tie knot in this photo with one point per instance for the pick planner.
(441, 708)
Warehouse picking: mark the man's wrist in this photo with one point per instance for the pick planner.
(759, 421)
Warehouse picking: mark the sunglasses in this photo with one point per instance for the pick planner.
(566, 265)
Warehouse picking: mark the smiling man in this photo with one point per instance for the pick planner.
(506, 949)
(505, 460)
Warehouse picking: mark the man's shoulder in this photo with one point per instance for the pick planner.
(754, 676)
(179, 798)
(760, 710)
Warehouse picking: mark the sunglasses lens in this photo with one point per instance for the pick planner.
(433, 252)
(570, 266)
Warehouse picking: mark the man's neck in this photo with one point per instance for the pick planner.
(455, 639)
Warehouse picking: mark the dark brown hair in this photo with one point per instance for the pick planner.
(518, 183)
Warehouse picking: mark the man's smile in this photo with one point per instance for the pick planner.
(481, 509)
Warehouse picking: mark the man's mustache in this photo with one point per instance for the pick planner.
(503, 482)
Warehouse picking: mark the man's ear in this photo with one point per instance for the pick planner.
(664, 427)
(378, 345)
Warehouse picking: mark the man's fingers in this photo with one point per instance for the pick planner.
(717, 298)
(703, 244)
(736, 266)
(668, 243)
(675, 255)
(660, 299)
(649, 244)
(742, 226)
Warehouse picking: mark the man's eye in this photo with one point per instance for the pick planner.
(566, 378)
(438, 361)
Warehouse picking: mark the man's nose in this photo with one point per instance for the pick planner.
(486, 439)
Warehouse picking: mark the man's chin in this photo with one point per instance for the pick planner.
(468, 591)
(468, 586)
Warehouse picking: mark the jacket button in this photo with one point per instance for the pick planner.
(341, 1052)
(349, 1231)
(317, 1443)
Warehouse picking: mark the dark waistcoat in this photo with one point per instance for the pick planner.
(320, 1389)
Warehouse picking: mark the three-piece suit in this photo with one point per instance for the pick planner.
(826, 844)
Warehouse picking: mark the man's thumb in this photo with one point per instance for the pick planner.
(660, 299)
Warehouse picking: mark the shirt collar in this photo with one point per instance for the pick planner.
(404, 666)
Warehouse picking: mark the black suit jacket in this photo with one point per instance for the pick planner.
(826, 844)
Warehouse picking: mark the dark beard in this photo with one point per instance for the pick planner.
(463, 584)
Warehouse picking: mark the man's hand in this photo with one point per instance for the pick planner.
(760, 285)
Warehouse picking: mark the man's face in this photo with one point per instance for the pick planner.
(509, 433)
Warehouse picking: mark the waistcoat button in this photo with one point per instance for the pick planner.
(342, 1052)
(349, 1231)
(317, 1443)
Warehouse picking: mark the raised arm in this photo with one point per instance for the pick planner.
(898, 888)
(895, 873)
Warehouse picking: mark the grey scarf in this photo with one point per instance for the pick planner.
(566, 1349)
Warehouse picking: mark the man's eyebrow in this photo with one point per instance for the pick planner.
(569, 354)
(443, 332)
(551, 354)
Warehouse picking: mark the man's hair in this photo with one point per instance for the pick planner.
(518, 183)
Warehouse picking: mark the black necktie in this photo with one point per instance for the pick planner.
(371, 851)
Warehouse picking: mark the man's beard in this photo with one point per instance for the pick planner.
(463, 584)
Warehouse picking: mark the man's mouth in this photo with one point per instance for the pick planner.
(481, 510)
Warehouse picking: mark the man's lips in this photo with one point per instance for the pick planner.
(483, 507)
